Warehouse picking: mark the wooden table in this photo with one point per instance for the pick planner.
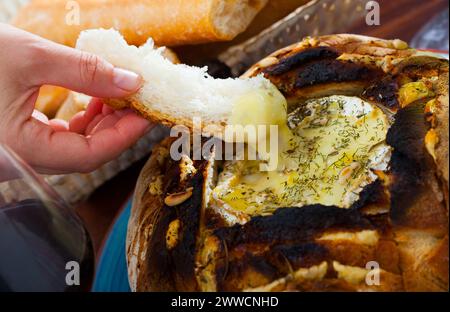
(399, 19)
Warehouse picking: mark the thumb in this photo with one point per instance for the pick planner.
(82, 72)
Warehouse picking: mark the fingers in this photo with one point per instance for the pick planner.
(105, 123)
(39, 116)
(81, 120)
(86, 73)
(108, 143)
(94, 108)
(50, 151)
(54, 64)
(93, 123)
(110, 118)
(59, 125)
(107, 110)
(97, 116)
(78, 123)
(55, 124)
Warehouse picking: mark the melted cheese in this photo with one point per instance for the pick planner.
(328, 158)
(265, 107)
(260, 107)
(431, 140)
(430, 112)
(413, 91)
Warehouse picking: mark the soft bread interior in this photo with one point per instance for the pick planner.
(172, 93)
(233, 16)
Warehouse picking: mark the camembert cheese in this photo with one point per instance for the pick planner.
(334, 145)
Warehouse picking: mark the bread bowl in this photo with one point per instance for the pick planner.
(363, 206)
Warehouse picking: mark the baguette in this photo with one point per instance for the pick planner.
(168, 22)
(274, 11)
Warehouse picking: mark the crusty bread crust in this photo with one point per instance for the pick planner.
(413, 248)
(442, 128)
(144, 212)
(160, 117)
(168, 22)
(347, 43)
(140, 108)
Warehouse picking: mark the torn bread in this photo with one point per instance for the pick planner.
(76, 102)
(172, 94)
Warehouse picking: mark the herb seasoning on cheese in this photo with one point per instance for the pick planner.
(335, 143)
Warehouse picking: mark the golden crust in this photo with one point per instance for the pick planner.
(160, 117)
(424, 260)
(147, 204)
(442, 129)
(168, 22)
(384, 50)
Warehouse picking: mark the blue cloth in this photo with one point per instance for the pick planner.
(111, 274)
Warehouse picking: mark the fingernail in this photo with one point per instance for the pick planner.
(39, 116)
(126, 80)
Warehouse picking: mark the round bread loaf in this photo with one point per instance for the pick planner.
(393, 236)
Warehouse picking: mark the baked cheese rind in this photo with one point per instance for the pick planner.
(400, 220)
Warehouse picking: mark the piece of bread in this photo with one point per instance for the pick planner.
(168, 22)
(76, 102)
(172, 94)
(50, 100)
(188, 246)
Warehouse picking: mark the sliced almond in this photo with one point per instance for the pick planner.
(186, 167)
(173, 233)
(347, 172)
(178, 198)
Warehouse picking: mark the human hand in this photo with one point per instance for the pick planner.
(91, 138)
